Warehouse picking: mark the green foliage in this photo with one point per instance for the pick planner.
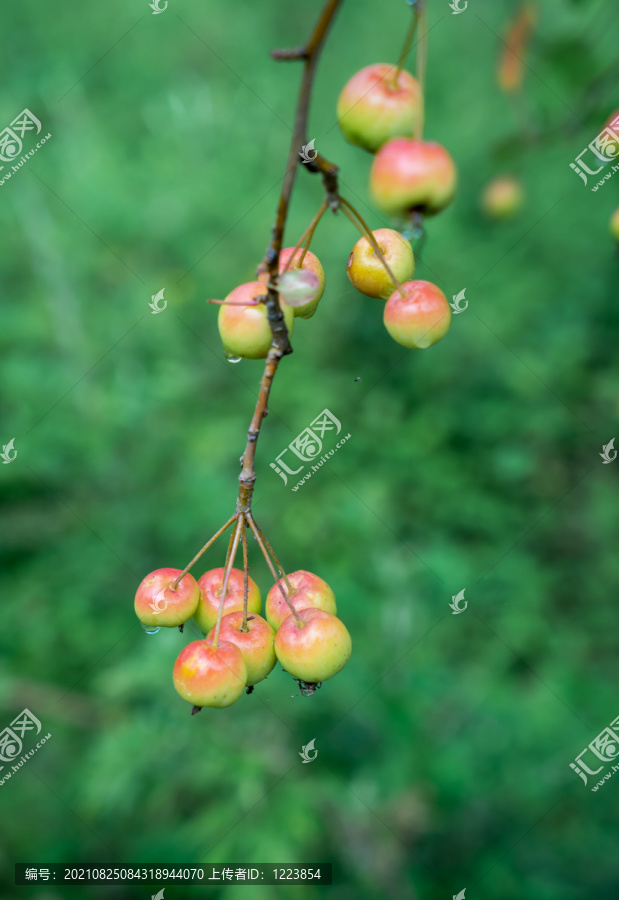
(444, 745)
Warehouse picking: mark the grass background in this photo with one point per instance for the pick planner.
(444, 745)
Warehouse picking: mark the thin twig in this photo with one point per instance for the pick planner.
(217, 534)
(224, 586)
(276, 579)
(422, 58)
(279, 566)
(307, 235)
(408, 40)
(245, 574)
(365, 231)
(229, 550)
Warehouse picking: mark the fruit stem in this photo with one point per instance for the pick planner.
(307, 235)
(224, 587)
(408, 40)
(245, 574)
(364, 229)
(276, 578)
(229, 550)
(217, 534)
(276, 561)
(422, 58)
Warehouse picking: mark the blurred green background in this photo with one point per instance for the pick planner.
(444, 746)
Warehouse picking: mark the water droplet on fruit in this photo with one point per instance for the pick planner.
(150, 629)
(232, 359)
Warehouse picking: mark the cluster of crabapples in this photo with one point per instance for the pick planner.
(379, 109)
(301, 630)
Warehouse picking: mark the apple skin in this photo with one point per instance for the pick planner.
(412, 175)
(502, 197)
(420, 318)
(372, 109)
(312, 264)
(244, 330)
(316, 651)
(206, 676)
(181, 603)
(614, 225)
(367, 273)
(256, 645)
(308, 590)
(210, 585)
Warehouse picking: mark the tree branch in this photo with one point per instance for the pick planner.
(270, 263)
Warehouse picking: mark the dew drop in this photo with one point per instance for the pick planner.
(150, 629)
(232, 359)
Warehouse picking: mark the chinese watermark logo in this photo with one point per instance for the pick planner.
(6, 452)
(609, 454)
(455, 602)
(456, 303)
(307, 446)
(11, 141)
(158, 9)
(603, 148)
(11, 741)
(455, 5)
(159, 603)
(459, 896)
(306, 152)
(159, 896)
(154, 304)
(605, 747)
(307, 749)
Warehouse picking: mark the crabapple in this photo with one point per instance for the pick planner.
(315, 650)
(502, 197)
(614, 225)
(419, 317)
(206, 675)
(210, 585)
(411, 175)
(244, 329)
(307, 590)
(373, 107)
(367, 273)
(156, 603)
(256, 644)
(312, 264)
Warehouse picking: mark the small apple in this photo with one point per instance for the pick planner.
(307, 590)
(157, 604)
(210, 676)
(418, 318)
(316, 650)
(367, 273)
(412, 175)
(244, 329)
(210, 585)
(373, 107)
(256, 644)
(502, 197)
(614, 225)
(312, 264)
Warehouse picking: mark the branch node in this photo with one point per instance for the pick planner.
(288, 54)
